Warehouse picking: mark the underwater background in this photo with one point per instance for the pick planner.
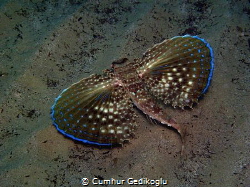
(48, 45)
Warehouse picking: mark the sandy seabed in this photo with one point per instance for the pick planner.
(46, 46)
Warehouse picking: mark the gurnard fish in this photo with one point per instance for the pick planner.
(99, 109)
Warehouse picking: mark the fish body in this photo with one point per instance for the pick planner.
(99, 109)
(131, 80)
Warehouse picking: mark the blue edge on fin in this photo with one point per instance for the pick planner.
(100, 144)
(69, 135)
(211, 62)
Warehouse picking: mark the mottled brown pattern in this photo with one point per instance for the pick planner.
(98, 109)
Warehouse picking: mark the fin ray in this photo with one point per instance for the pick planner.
(178, 70)
(92, 111)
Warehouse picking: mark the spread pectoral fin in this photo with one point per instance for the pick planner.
(94, 110)
(179, 70)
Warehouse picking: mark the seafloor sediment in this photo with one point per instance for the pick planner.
(46, 46)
